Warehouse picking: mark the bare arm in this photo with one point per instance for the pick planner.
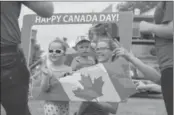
(45, 83)
(163, 30)
(43, 9)
(74, 65)
(149, 72)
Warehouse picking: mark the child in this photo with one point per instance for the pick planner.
(52, 72)
(83, 48)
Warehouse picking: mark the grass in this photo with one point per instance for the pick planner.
(134, 106)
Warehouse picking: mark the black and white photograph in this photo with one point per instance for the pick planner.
(86, 58)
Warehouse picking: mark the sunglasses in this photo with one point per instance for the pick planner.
(56, 51)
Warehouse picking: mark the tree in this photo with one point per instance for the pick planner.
(142, 5)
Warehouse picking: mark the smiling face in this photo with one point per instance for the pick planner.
(56, 52)
(103, 51)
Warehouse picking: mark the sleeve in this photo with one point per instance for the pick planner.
(168, 13)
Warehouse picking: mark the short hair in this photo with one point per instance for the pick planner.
(58, 40)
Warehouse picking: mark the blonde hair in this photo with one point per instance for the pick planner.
(58, 40)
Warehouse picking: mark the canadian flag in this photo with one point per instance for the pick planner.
(107, 82)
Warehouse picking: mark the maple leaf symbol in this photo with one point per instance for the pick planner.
(91, 90)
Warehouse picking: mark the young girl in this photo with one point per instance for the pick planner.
(53, 71)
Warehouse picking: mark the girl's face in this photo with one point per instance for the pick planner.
(103, 51)
(56, 52)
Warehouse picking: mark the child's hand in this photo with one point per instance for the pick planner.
(47, 72)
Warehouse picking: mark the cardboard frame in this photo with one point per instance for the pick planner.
(123, 19)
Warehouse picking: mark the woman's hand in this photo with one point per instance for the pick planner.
(122, 52)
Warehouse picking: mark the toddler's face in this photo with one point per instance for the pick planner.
(56, 51)
(83, 48)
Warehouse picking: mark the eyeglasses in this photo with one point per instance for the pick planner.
(102, 49)
(56, 51)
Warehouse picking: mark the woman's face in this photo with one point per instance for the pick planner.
(56, 52)
(103, 51)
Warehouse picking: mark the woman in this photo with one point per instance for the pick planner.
(163, 31)
(107, 51)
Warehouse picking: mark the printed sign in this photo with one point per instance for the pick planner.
(124, 21)
(77, 18)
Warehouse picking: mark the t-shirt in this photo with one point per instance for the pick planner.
(164, 47)
(10, 32)
(80, 62)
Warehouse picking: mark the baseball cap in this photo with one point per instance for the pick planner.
(80, 39)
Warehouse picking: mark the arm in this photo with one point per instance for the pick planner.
(162, 30)
(45, 83)
(149, 72)
(164, 19)
(154, 87)
(74, 65)
(44, 9)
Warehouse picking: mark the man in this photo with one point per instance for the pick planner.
(163, 31)
(14, 72)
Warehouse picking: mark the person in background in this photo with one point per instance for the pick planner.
(163, 31)
(51, 72)
(14, 73)
(83, 48)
